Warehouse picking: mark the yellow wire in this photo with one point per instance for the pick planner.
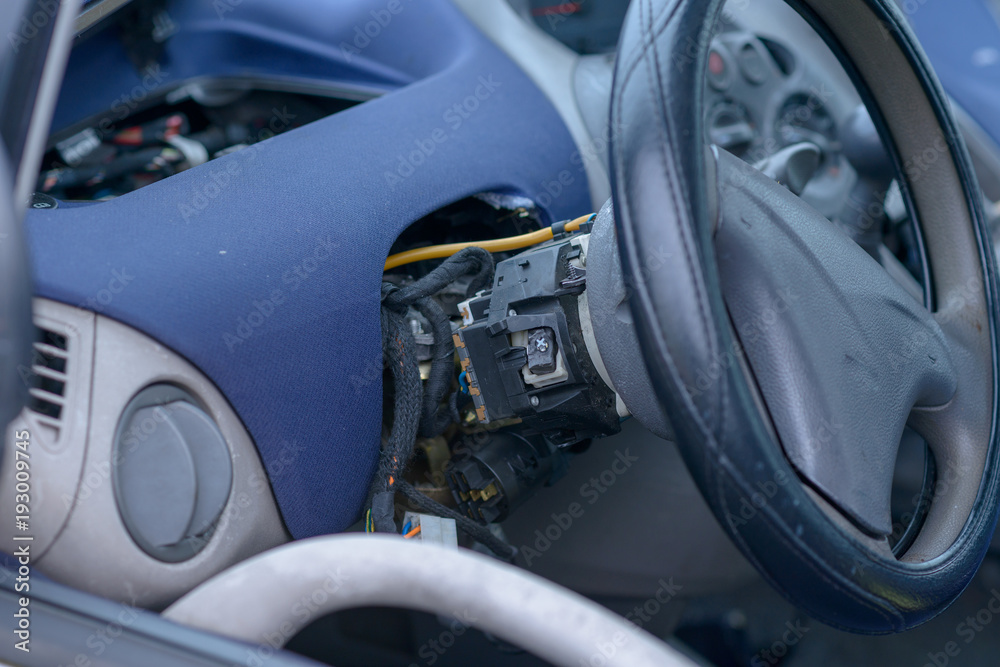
(496, 245)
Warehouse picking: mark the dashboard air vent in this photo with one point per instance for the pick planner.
(47, 381)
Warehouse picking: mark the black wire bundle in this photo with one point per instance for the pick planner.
(399, 350)
(435, 417)
(414, 408)
(476, 531)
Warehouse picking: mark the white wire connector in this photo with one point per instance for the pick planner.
(430, 529)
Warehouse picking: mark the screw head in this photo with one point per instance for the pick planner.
(541, 344)
(511, 312)
(534, 401)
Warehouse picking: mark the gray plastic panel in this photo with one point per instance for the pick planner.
(93, 550)
(614, 328)
(74, 628)
(57, 447)
(552, 66)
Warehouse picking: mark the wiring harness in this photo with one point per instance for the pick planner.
(417, 409)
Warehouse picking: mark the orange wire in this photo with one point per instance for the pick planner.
(412, 532)
(494, 245)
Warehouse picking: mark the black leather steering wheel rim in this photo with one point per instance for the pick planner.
(663, 184)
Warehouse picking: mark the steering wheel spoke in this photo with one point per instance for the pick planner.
(954, 431)
(840, 351)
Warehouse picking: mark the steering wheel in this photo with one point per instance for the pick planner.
(261, 600)
(15, 304)
(787, 360)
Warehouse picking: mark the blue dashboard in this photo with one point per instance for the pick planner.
(263, 267)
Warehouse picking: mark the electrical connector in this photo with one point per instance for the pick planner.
(430, 529)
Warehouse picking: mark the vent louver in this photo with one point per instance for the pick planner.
(47, 380)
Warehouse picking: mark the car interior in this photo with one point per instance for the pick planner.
(498, 332)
